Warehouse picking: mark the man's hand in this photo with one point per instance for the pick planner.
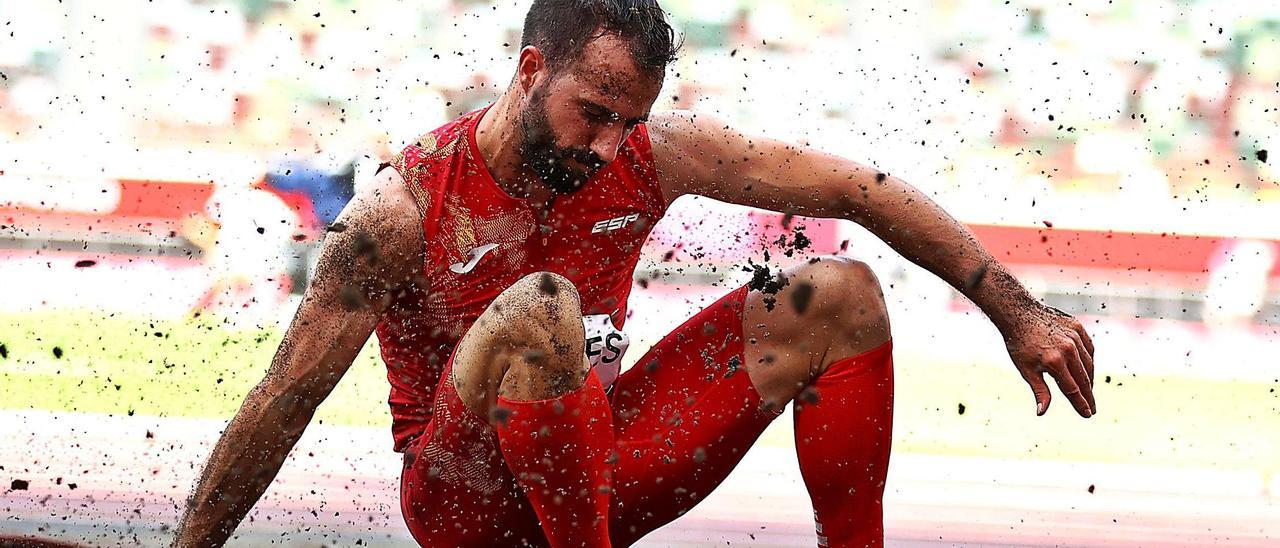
(1043, 340)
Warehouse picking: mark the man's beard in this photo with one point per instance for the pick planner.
(548, 162)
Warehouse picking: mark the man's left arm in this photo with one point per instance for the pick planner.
(697, 154)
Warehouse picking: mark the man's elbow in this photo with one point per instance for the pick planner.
(289, 404)
(840, 201)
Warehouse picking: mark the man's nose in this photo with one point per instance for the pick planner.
(607, 141)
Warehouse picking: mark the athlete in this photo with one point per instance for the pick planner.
(494, 258)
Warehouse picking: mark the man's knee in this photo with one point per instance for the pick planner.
(539, 306)
(541, 344)
(848, 294)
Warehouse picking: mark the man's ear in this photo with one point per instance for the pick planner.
(532, 68)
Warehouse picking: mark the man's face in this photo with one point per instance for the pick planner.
(575, 121)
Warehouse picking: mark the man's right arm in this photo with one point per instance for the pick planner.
(372, 251)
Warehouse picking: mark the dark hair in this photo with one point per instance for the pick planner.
(561, 29)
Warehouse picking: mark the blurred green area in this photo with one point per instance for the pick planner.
(89, 362)
(133, 365)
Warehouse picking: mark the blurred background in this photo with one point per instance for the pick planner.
(167, 168)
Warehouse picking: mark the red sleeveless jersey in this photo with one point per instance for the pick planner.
(480, 240)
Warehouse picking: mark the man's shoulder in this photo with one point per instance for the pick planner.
(388, 199)
(385, 218)
(681, 132)
(680, 122)
(682, 137)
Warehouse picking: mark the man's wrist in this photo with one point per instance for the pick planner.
(1002, 298)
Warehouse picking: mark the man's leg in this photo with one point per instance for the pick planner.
(516, 453)
(683, 417)
(522, 366)
(685, 414)
(455, 488)
(832, 357)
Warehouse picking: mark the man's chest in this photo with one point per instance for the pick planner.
(483, 248)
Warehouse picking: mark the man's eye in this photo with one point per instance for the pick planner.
(601, 115)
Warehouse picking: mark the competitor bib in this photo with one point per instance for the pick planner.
(605, 346)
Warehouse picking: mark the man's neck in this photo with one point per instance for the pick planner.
(498, 138)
